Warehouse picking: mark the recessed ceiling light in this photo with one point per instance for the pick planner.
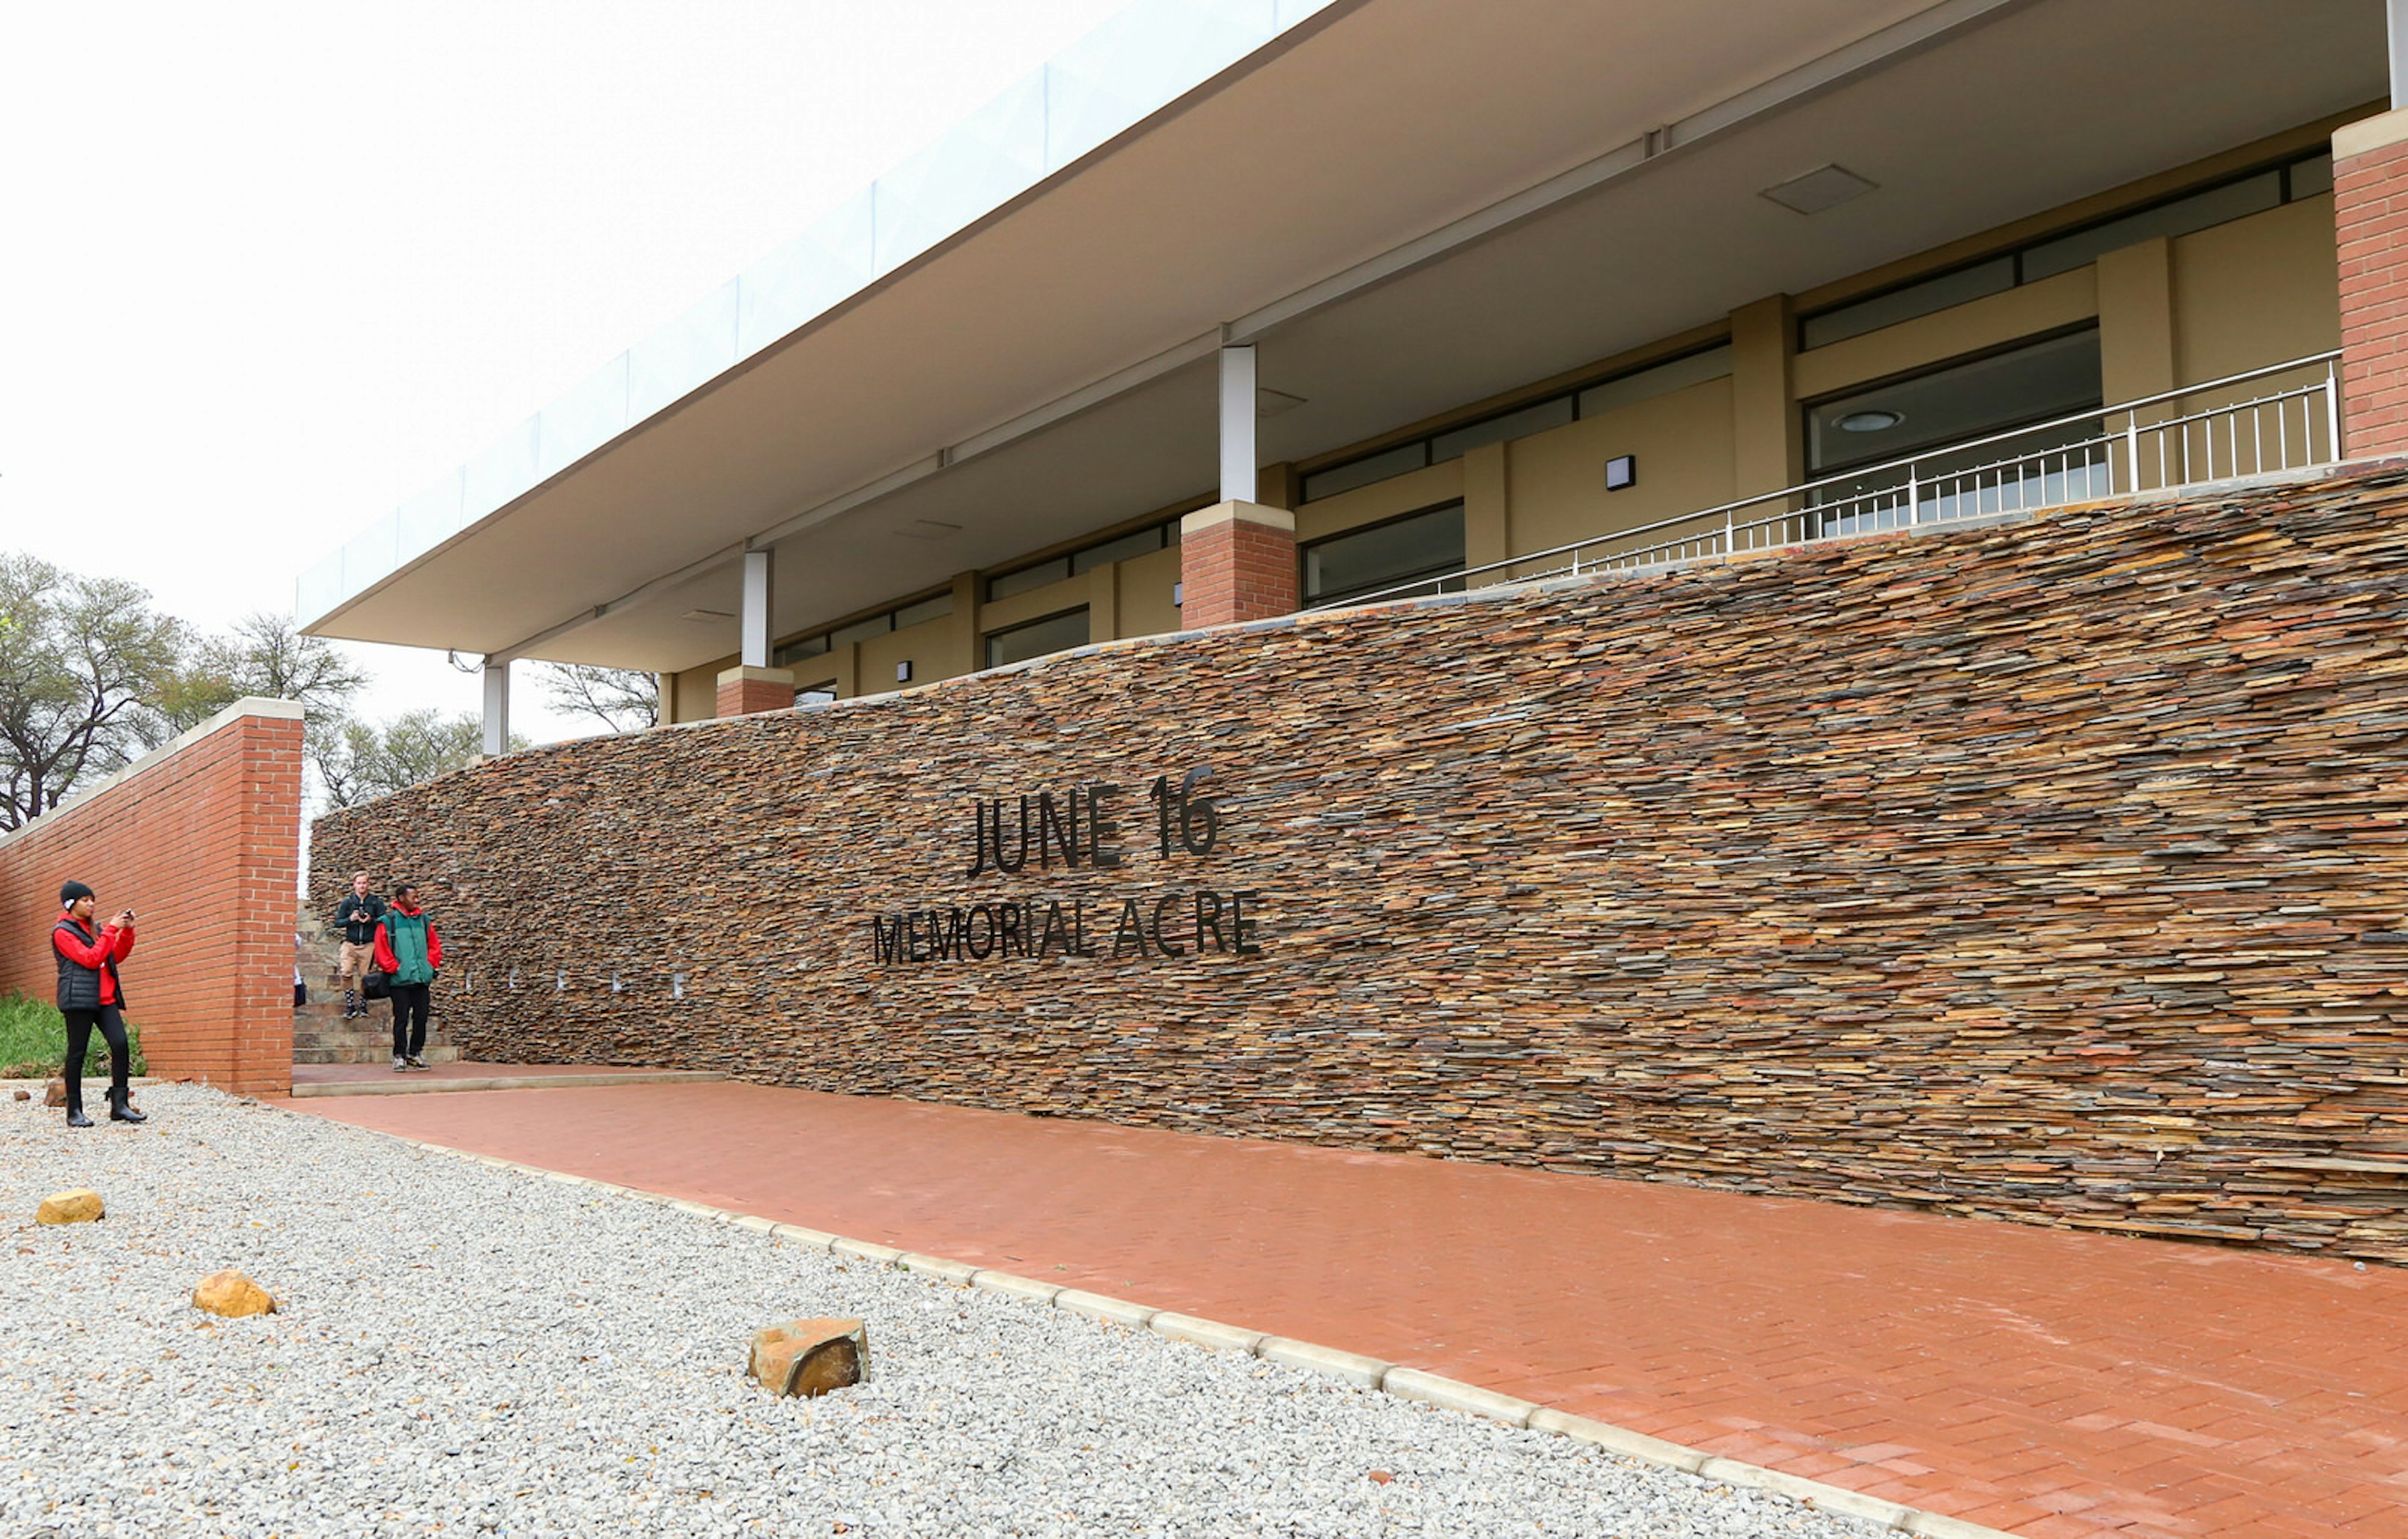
(1825, 187)
(1870, 421)
(707, 614)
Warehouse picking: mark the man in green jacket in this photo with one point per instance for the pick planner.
(408, 949)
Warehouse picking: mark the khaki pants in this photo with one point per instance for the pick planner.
(356, 963)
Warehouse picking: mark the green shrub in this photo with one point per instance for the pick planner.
(34, 1041)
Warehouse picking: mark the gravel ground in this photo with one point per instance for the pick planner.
(464, 1349)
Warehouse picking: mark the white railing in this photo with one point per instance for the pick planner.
(2182, 437)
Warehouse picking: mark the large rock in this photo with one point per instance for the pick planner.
(23, 1095)
(79, 1206)
(809, 1357)
(55, 1093)
(231, 1294)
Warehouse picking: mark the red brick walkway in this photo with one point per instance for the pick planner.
(2047, 1383)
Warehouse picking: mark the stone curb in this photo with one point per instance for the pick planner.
(405, 1086)
(1350, 1367)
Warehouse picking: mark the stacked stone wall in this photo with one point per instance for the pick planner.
(2054, 871)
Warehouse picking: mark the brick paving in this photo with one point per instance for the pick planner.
(2054, 1384)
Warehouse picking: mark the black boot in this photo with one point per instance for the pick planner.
(120, 1107)
(75, 1118)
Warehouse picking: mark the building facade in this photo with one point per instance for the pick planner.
(1244, 306)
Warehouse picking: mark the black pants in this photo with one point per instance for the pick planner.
(411, 1004)
(111, 1022)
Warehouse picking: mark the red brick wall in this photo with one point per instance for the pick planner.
(2370, 214)
(204, 843)
(739, 696)
(1237, 570)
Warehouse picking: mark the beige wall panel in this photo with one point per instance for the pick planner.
(1104, 602)
(1003, 613)
(2259, 290)
(968, 651)
(2136, 320)
(1768, 449)
(928, 647)
(1145, 588)
(1389, 499)
(2065, 300)
(1684, 444)
(1487, 527)
(697, 690)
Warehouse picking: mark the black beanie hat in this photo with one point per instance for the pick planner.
(71, 891)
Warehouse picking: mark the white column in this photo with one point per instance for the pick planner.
(665, 694)
(497, 710)
(2395, 12)
(755, 622)
(1238, 462)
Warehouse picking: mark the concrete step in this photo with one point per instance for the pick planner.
(381, 1052)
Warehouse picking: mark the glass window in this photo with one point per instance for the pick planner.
(2310, 178)
(2231, 201)
(1027, 578)
(1144, 542)
(1363, 561)
(924, 612)
(1363, 472)
(1054, 633)
(861, 630)
(1514, 425)
(795, 651)
(1925, 298)
(2031, 384)
(1663, 379)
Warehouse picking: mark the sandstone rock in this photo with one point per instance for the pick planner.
(55, 1093)
(80, 1206)
(810, 1356)
(231, 1294)
(24, 1095)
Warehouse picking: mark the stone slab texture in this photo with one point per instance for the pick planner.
(204, 843)
(2050, 871)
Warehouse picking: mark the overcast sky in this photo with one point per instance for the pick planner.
(265, 270)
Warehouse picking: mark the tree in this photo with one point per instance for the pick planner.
(264, 655)
(79, 661)
(357, 762)
(621, 699)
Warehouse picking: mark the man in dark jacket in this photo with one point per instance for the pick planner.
(408, 947)
(356, 919)
(90, 994)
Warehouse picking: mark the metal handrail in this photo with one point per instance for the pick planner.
(1919, 487)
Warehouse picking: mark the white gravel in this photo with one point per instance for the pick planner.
(462, 1350)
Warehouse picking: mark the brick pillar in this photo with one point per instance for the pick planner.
(1237, 561)
(2370, 220)
(744, 690)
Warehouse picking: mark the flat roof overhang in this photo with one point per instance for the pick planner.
(1406, 204)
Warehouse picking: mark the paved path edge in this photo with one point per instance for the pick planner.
(1406, 1383)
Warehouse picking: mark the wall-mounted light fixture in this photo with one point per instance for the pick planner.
(1178, 594)
(903, 672)
(1622, 472)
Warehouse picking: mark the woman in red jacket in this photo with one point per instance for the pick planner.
(90, 994)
